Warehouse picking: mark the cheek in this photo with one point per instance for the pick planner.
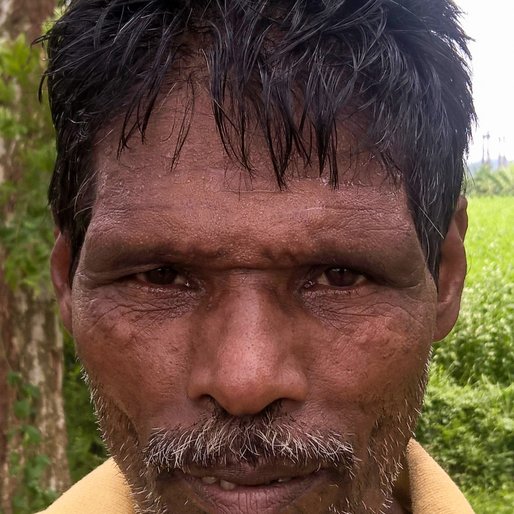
(373, 360)
(137, 355)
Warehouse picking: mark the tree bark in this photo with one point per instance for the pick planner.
(24, 16)
(32, 423)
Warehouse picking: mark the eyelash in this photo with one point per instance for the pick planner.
(143, 282)
(360, 279)
(311, 284)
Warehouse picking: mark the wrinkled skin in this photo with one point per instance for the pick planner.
(313, 303)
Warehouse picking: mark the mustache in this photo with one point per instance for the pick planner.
(220, 441)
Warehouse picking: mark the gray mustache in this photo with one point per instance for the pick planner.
(219, 442)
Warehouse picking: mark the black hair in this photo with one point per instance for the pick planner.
(299, 69)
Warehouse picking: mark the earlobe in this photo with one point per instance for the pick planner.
(452, 271)
(59, 268)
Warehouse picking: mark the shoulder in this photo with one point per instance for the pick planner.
(103, 490)
(425, 488)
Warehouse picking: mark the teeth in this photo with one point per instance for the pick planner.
(230, 486)
(227, 486)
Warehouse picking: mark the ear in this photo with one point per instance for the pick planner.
(60, 263)
(452, 271)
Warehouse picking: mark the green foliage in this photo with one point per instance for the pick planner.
(470, 429)
(31, 466)
(32, 497)
(492, 502)
(25, 127)
(489, 182)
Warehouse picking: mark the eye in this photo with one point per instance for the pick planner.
(338, 277)
(163, 276)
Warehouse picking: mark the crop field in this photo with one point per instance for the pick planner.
(490, 238)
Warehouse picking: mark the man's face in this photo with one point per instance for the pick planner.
(250, 350)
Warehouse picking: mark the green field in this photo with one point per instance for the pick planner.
(468, 419)
(490, 237)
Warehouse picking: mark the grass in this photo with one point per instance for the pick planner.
(490, 237)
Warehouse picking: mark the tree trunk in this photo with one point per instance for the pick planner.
(24, 16)
(32, 427)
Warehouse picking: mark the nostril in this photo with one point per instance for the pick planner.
(240, 398)
(246, 384)
(270, 413)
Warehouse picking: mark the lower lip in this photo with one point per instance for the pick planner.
(265, 499)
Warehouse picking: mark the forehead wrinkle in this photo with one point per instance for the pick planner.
(125, 189)
(311, 209)
(167, 232)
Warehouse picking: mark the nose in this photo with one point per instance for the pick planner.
(247, 355)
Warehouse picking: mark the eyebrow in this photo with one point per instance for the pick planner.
(125, 252)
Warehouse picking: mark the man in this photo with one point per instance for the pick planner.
(260, 236)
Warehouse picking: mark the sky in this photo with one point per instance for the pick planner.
(491, 24)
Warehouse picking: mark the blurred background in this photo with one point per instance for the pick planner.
(48, 436)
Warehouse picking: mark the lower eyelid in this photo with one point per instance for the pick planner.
(322, 294)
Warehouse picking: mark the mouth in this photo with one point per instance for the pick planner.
(241, 491)
(226, 485)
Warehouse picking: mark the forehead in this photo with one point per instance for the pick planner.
(184, 127)
(208, 199)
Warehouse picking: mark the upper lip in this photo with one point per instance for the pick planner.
(244, 474)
